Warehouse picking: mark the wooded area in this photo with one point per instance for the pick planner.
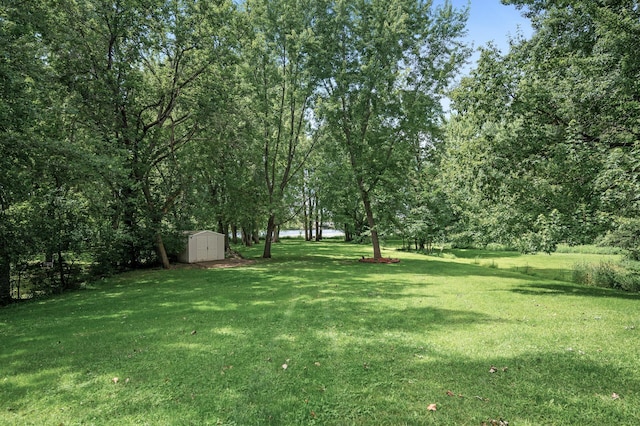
(126, 122)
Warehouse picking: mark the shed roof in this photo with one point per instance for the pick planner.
(201, 232)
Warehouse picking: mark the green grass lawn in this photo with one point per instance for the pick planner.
(315, 337)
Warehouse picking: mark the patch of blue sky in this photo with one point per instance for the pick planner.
(489, 21)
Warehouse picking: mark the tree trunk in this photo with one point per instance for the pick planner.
(131, 249)
(63, 283)
(5, 280)
(271, 225)
(307, 236)
(372, 225)
(246, 238)
(227, 242)
(223, 228)
(348, 235)
(162, 252)
(317, 218)
(234, 234)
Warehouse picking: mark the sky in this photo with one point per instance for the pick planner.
(490, 20)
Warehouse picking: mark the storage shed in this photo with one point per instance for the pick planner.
(202, 246)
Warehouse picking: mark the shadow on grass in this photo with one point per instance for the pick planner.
(554, 289)
(210, 346)
(480, 254)
(208, 342)
(349, 268)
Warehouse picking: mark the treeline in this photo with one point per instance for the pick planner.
(126, 122)
(544, 145)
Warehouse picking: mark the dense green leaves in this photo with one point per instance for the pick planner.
(552, 127)
(278, 69)
(124, 123)
(385, 66)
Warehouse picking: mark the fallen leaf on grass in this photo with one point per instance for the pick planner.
(115, 380)
(285, 366)
(615, 396)
(317, 364)
(493, 369)
(449, 393)
(431, 407)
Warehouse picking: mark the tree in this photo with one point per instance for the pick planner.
(132, 69)
(279, 51)
(539, 131)
(596, 45)
(227, 187)
(23, 88)
(384, 64)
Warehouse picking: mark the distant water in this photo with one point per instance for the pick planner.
(326, 233)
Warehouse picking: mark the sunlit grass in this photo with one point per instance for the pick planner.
(361, 343)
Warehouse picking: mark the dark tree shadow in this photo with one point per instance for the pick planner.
(556, 288)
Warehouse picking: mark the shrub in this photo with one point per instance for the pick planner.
(622, 276)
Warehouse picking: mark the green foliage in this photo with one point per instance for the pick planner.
(548, 232)
(384, 66)
(548, 127)
(124, 123)
(589, 249)
(627, 236)
(429, 216)
(280, 52)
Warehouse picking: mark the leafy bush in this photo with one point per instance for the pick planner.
(545, 237)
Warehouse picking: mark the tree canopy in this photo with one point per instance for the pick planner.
(125, 123)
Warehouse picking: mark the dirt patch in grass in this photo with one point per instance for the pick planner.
(224, 263)
(232, 259)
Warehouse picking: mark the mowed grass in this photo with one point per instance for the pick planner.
(315, 337)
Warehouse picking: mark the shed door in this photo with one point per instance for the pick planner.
(202, 248)
(211, 247)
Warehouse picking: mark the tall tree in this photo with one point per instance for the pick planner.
(385, 63)
(279, 50)
(227, 186)
(540, 130)
(583, 55)
(23, 94)
(132, 67)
